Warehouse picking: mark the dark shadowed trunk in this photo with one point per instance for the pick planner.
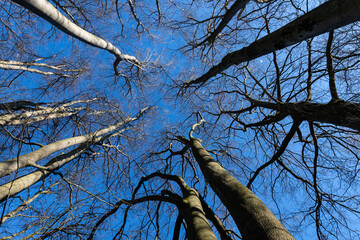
(325, 18)
(339, 112)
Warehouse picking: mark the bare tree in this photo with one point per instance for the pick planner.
(82, 158)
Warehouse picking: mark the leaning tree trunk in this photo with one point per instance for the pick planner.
(47, 11)
(29, 159)
(325, 18)
(253, 219)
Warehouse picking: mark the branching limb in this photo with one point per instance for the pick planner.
(278, 153)
(325, 18)
(47, 11)
(239, 5)
(25, 66)
(330, 68)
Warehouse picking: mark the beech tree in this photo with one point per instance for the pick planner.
(207, 120)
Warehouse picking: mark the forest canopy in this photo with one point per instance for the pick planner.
(179, 119)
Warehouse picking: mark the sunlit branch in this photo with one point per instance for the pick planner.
(26, 203)
(30, 159)
(47, 11)
(25, 66)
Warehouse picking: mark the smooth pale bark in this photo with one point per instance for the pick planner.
(25, 204)
(9, 166)
(192, 210)
(47, 11)
(339, 112)
(35, 112)
(253, 219)
(35, 116)
(325, 18)
(14, 187)
(25, 66)
(18, 185)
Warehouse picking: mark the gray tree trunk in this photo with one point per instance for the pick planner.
(197, 224)
(253, 219)
(11, 165)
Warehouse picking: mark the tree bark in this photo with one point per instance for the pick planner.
(197, 224)
(339, 112)
(47, 11)
(18, 185)
(253, 219)
(325, 18)
(11, 165)
(29, 159)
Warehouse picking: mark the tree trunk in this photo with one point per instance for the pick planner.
(11, 165)
(47, 11)
(325, 18)
(339, 112)
(197, 224)
(10, 189)
(253, 219)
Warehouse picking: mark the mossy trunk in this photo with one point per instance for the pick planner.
(198, 226)
(253, 219)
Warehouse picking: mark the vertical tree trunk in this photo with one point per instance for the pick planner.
(194, 215)
(253, 219)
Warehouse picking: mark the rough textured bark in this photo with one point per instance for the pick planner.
(253, 219)
(325, 18)
(339, 112)
(47, 11)
(197, 225)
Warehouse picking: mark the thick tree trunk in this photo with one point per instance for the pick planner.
(253, 219)
(325, 18)
(192, 210)
(339, 112)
